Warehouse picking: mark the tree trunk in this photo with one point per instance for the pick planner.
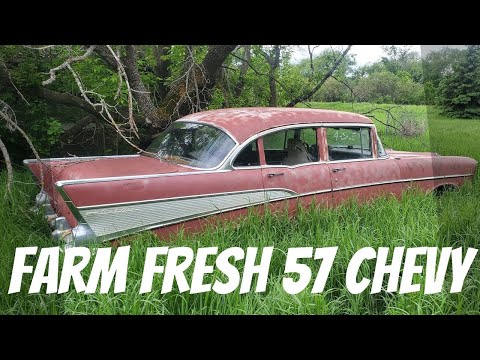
(140, 92)
(272, 79)
(273, 88)
(243, 70)
(178, 103)
(162, 68)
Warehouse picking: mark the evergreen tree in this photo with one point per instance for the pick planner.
(460, 88)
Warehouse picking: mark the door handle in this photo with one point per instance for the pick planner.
(277, 174)
(338, 169)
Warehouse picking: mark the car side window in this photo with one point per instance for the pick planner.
(349, 143)
(291, 147)
(248, 156)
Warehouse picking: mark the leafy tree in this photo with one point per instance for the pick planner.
(402, 60)
(436, 65)
(460, 88)
(386, 87)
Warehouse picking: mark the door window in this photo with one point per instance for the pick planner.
(349, 143)
(291, 147)
(248, 156)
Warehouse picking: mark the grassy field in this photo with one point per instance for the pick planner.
(416, 220)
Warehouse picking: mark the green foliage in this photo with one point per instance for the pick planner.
(403, 62)
(436, 65)
(449, 78)
(387, 87)
(460, 88)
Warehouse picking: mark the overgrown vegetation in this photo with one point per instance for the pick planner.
(416, 220)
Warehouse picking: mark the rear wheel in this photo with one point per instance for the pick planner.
(441, 190)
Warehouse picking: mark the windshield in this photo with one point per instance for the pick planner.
(192, 144)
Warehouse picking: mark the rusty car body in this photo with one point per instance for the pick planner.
(221, 162)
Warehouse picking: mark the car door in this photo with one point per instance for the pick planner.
(355, 166)
(292, 170)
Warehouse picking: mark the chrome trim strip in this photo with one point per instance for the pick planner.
(134, 177)
(71, 206)
(289, 127)
(103, 226)
(72, 158)
(400, 181)
(294, 166)
(177, 221)
(352, 160)
(182, 197)
(159, 225)
(302, 195)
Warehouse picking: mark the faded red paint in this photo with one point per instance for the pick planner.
(326, 183)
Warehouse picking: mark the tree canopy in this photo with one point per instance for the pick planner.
(100, 99)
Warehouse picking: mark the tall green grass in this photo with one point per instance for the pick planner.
(416, 220)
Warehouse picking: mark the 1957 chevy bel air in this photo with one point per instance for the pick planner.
(221, 162)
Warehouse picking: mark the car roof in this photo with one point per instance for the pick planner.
(242, 123)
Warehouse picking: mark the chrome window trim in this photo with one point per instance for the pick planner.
(351, 160)
(212, 125)
(293, 166)
(331, 125)
(289, 127)
(224, 160)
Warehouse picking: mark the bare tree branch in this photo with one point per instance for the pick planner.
(311, 50)
(40, 47)
(312, 92)
(7, 72)
(352, 93)
(8, 164)
(68, 62)
(104, 108)
(121, 71)
(106, 55)
(266, 74)
(12, 124)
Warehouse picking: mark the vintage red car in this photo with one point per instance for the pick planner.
(222, 162)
